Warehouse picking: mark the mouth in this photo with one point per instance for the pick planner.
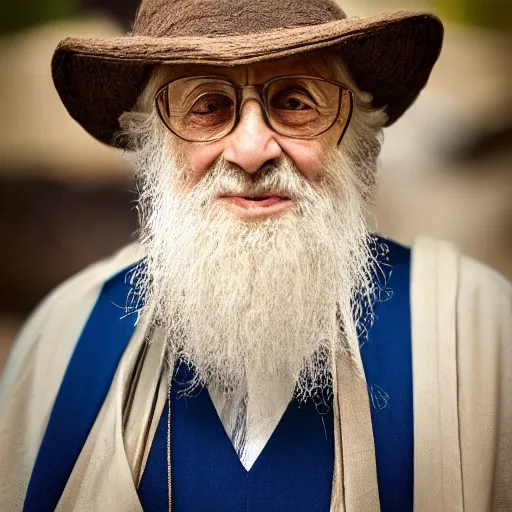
(254, 205)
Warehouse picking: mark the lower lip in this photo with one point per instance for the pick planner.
(247, 208)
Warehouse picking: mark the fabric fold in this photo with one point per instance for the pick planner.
(355, 474)
(437, 458)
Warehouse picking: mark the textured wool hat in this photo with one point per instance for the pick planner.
(390, 55)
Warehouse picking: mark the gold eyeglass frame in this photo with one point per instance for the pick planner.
(263, 99)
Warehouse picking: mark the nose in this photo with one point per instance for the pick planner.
(252, 143)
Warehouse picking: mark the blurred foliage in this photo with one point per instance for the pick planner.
(485, 13)
(25, 13)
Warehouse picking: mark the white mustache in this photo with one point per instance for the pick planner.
(279, 179)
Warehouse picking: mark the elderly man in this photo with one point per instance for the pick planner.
(259, 349)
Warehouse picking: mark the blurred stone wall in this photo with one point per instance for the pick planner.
(446, 165)
(65, 199)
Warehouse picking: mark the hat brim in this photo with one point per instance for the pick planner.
(390, 56)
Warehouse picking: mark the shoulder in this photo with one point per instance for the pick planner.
(475, 283)
(37, 363)
(455, 293)
(483, 285)
(54, 326)
(484, 319)
(92, 277)
(484, 316)
(462, 356)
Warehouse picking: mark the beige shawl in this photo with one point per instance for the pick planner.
(462, 375)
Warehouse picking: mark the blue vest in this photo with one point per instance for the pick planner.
(293, 472)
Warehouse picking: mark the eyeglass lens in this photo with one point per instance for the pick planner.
(205, 109)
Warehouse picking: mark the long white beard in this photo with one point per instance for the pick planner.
(257, 307)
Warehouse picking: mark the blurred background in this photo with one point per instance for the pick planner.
(67, 200)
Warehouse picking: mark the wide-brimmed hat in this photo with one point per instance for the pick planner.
(390, 55)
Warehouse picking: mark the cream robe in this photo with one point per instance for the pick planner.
(462, 385)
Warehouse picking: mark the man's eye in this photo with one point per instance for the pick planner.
(295, 104)
(292, 101)
(211, 103)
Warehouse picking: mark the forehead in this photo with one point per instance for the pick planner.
(255, 73)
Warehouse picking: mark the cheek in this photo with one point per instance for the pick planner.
(308, 156)
(199, 157)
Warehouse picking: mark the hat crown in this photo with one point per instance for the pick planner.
(216, 18)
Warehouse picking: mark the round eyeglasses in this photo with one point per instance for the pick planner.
(207, 108)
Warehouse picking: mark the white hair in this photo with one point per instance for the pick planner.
(259, 308)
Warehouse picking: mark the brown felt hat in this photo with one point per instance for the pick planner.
(390, 55)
